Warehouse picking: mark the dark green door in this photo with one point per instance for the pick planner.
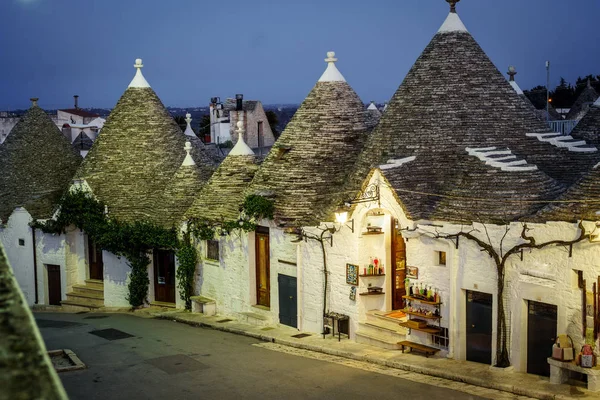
(479, 327)
(288, 305)
(541, 334)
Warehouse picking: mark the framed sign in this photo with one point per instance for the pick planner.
(412, 272)
(353, 293)
(351, 274)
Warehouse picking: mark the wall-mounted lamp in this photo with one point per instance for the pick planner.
(341, 217)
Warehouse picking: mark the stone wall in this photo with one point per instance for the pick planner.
(251, 120)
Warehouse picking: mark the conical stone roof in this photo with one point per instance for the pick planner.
(308, 165)
(453, 99)
(37, 163)
(136, 155)
(583, 102)
(181, 190)
(220, 199)
(588, 128)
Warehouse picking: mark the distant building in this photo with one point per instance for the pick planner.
(7, 122)
(81, 127)
(224, 117)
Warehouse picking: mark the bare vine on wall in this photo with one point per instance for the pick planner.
(500, 254)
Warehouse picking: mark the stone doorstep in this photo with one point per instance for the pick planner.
(77, 363)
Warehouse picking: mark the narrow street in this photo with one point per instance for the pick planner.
(158, 359)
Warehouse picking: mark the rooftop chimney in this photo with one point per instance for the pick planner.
(76, 97)
(239, 102)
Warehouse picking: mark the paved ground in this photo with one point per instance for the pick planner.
(167, 360)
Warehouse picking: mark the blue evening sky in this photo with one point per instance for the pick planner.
(268, 50)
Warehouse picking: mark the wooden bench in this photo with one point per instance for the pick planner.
(428, 351)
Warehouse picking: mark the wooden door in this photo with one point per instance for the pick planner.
(479, 327)
(263, 281)
(398, 268)
(54, 296)
(164, 276)
(288, 305)
(541, 333)
(95, 261)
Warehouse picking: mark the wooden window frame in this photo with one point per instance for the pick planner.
(210, 252)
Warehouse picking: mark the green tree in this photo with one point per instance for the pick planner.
(204, 126)
(180, 120)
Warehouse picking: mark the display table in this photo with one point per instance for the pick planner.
(331, 319)
(559, 373)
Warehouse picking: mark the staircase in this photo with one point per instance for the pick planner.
(381, 331)
(89, 296)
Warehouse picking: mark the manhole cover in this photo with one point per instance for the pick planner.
(301, 335)
(268, 328)
(224, 320)
(49, 323)
(96, 317)
(111, 334)
(176, 364)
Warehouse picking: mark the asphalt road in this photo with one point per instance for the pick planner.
(167, 360)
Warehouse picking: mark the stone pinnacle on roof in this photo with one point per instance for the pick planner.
(453, 23)
(138, 80)
(188, 161)
(188, 129)
(452, 5)
(34, 101)
(331, 74)
(372, 106)
(241, 148)
(512, 71)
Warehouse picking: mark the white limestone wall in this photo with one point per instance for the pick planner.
(20, 257)
(231, 281)
(116, 278)
(52, 250)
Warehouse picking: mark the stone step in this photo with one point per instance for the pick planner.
(163, 304)
(85, 300)
(377, 342)
(255, 318)
(87, 290)
(75, 305)
(379, 318)
(94, 283)
(381, 332)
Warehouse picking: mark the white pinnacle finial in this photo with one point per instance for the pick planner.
(241, 148)
(331, 74)
(188, 129)
(138, 80)
(372, 106)
(188, 158)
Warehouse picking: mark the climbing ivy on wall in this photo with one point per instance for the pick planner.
(253, 209)
(130, 240)
(187, 257)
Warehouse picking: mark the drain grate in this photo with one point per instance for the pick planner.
(49, 323)
(111, 334)
(268, 328)
(176, 364)
(224, 320)
(301, 335)
(96, 317)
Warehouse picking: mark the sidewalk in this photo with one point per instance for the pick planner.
(462, 371)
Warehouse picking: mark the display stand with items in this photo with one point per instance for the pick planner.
(423, 308)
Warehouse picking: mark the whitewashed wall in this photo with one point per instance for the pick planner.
(116, 278)
(20, 257)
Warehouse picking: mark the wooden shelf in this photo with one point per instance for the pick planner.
(371, 294)
(433, 303)
(366, 276)
(416, 314)
(429, 330)
(373, 233)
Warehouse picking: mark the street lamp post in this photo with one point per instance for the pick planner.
(548, 92)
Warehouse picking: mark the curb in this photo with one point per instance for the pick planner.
(444, 374)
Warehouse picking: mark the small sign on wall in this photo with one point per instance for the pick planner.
(352, 274)
(412, 272)
(353, 293)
